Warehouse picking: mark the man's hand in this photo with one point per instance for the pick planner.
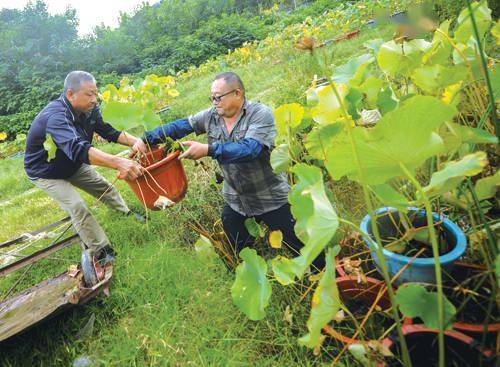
(138, 147)
(195, 151)
(128, 169)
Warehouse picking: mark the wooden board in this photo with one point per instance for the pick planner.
(46, 299)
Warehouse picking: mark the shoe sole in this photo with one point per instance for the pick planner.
(88, 269)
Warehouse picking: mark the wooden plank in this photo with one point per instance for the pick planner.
(45, 300)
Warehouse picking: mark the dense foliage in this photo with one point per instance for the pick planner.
(433, 97)
(403, 121)
(39, 49)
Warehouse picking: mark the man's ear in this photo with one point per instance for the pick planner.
(70, 95)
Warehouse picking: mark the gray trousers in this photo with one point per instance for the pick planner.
(64, 193)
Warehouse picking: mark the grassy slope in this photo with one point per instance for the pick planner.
(167, 307)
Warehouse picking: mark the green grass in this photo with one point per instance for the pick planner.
(283, 80)
(13, 180)
(168, 307)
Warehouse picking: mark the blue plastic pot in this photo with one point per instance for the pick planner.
(419, 269)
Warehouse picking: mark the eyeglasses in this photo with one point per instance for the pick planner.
(217, 99)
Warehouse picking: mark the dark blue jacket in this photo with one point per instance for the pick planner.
(72, 133)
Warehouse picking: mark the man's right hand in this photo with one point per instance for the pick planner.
(128, 169)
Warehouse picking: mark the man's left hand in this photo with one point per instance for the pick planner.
(195, 151)
(138, 147)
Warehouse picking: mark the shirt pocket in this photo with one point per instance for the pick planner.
(239, 133)
(214, 136)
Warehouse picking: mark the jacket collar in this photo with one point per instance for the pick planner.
(76, 116)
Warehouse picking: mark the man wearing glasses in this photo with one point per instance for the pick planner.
(241, 136)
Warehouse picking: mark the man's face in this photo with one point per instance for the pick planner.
(85, 99)
(227, 100)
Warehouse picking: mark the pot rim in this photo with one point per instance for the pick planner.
(420, 328)
(163, 161)
(445, 259)
(155, 165)
(462, 326)
(372, 282)
(369, 280)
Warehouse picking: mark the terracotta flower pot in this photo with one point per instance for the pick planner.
(349, 289)
(422, 345)
(475, 330)
(366, 265)
(347, 36)
(352, 34)
(164, 177)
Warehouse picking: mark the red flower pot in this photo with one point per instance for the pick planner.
(347, 36)
(163, 176)
(462, 271)
(423, 345)
(354, 240)
(349, 288)
(352, 34)
(474, 330)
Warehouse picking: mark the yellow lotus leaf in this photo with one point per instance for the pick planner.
(328, 108)
(173, 93)
(450, 93)
(275, 239)
(152, 77)
(288, 116)
(166, 80)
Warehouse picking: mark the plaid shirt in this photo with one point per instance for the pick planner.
(250, 188)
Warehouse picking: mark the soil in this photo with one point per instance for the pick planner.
(391, 229)
(461, 284)
(374, 328)
(423, 348)
(415, 246)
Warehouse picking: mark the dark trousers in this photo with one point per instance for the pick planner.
(278, 219)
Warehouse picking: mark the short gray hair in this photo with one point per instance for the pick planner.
(75, 79)
(232, 79)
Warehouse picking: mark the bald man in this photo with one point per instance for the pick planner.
(241, 137)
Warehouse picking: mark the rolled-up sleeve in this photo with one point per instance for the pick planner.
(199, 121)
(262, 127)
(66, 138)
(104, 129)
